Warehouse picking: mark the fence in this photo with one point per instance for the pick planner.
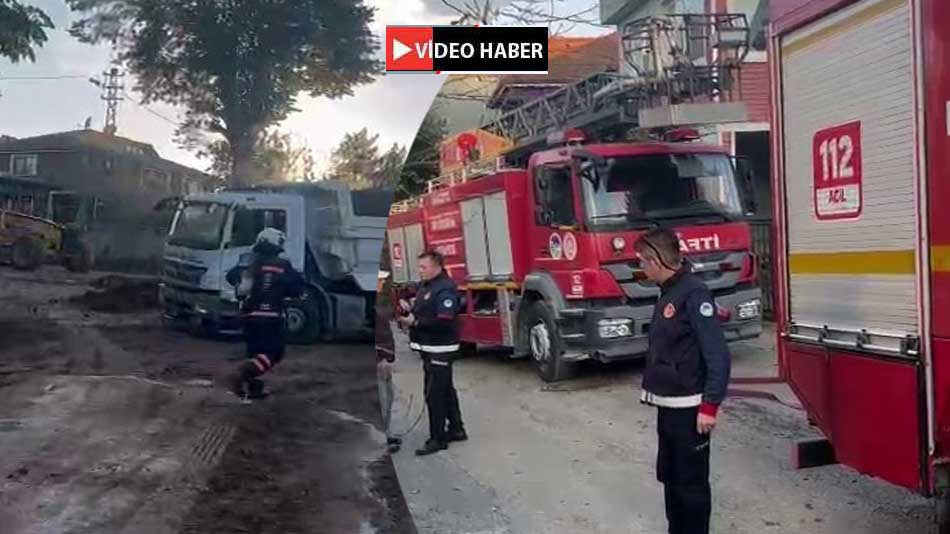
(762, 240)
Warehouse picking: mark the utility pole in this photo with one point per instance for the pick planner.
(111, 93)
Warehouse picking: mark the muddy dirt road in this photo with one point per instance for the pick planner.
(110, 423)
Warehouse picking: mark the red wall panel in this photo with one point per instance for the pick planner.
(875, 417)
(867, 406)
(936, 19)
(807, 373)
(941, 354)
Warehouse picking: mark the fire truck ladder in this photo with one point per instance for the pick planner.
(676, 59)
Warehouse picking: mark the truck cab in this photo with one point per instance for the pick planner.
(209, 234)
(589, 204)
(334, 238)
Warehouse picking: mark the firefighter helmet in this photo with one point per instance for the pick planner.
(272, 236)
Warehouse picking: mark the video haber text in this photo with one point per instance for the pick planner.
(486, 50)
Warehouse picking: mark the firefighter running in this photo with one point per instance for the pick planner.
(433, 332)
(686, 378)
(261, 288)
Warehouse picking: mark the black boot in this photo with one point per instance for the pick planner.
(432, 447)
(256, 389)
(457, 435)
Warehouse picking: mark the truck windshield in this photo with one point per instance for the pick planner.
(199, 226)
(641, 191)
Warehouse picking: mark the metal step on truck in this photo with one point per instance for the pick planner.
(540, 240)
(334, 238)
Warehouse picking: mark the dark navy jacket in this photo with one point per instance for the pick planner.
(274, 279)
(688, 363)
(435, 309)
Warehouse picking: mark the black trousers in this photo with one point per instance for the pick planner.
(683, 467)
(265, 345)
(442, 401)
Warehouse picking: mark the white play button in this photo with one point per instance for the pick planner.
(399, 49)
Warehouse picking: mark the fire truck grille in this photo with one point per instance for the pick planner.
(708, 267)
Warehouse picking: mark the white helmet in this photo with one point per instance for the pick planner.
(272, 236)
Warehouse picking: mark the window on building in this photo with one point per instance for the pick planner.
(155, 180)
(23, 164)
(756, 13)
(249, 222)
(65, 207)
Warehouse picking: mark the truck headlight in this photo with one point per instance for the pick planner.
(749, 309)
(613, 328)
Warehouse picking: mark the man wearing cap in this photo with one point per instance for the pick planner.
(686, 378)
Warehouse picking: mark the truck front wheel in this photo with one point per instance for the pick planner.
(303, 321)
(545, 344)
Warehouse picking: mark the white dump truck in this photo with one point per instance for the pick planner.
(334, 238)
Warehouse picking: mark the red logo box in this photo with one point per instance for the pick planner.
(409, 48)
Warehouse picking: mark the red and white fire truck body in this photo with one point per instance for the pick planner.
(861, 172)
(544, 255)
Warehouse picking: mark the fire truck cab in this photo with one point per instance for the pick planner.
(544, 255)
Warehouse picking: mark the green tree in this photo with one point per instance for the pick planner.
(280, 158)
(390, 166)
(422, 161)
(22, 29)
(277, 158)
(355, 160)
(236, 66)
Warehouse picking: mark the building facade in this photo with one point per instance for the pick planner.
(103, 184)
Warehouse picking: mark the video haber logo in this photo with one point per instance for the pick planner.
(408, 48)
(467, 49)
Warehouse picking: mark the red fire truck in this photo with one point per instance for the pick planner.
(861, 93)
(544, 251)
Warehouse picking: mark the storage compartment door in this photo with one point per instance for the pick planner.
(397, 255)
(473, 230)
(415, 245)
(499, 241)
(847, 83)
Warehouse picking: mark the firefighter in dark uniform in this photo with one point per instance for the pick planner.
(433, 332)
(262, 287)
(686, 378)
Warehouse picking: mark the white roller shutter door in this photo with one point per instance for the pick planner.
(856, 272)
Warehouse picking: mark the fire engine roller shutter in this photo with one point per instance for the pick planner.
(397, 241)
(853, 274)
(409, 240)
(487, 245)
(415, 245)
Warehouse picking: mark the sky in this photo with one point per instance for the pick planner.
(392, 106)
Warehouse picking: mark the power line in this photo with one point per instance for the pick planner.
(63, 77)
(150, 110)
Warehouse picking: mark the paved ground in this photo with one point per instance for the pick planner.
(578, 457)
(110, 423)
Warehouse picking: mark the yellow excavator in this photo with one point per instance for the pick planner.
(27, 242)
